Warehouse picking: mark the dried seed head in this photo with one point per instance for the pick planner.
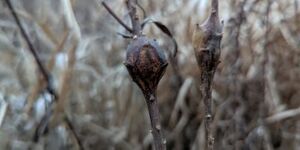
(146, 63)
(206, 42)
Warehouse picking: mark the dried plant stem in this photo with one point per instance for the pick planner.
(41, 84)
(215, 6)
(206, 80)
(283, 115)
(116, 17)
(74, 133)
(159, 142)
(63, 95)
(44, 122)
(148, 89)
(206, 42)
(33, 51)
(66, 82)
(136, 26)
(34, 93)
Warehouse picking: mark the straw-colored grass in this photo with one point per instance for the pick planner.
(255, 91)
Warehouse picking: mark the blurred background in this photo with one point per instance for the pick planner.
(255, 91)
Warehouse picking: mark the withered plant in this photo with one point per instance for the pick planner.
(59, 97)
(206, 42)
(255, 91)
(146, 64)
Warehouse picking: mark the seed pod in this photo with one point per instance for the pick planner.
(146, 63)
(206, 42)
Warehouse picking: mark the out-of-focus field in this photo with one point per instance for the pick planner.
(256, 91)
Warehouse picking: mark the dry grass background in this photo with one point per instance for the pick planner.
(256, 87)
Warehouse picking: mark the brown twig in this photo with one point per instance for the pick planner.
(42, 69)
(206, 43)
(143, 10)
(72, 129)
(283, 115)
(41, 82)
(214, 7)
(116, 17)
(156, 131)
(65, 82)
(63, 95)
(43, 125)
(136, 26)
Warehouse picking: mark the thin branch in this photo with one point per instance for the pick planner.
(42, 83)
(214, 6)
(159, 142)
(143, 10)
(283, 115)
(116, 17)
(32, 50)
(72, 129)
(70, 19)
(43, 125)
(179, 103)
(136, 26)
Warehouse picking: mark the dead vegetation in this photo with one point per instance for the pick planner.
(255, 91)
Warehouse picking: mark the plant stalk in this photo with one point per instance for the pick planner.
(116, 17)
(136, 26)
(206, 42)
(33, 51)
(159, 142)
(206, 90)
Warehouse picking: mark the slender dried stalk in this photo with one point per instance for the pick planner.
(43, 124)
(65, 83)
(116, 17)
(148, 70)
(41, 84)
(73, 130)
(156, 131)
(45, 120)
(136, 26)
(149, 93)
(206, 43)
(32, 50)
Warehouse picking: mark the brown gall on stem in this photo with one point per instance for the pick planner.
(146, 64)
(206, 43)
